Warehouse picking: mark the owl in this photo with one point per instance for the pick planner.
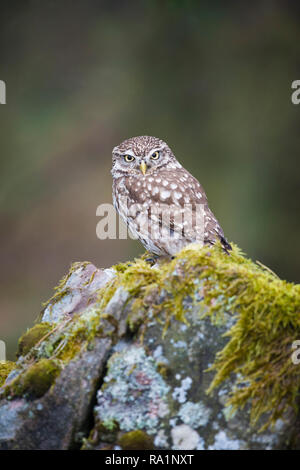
(163, 205)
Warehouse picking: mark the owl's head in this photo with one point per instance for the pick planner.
(142, 155)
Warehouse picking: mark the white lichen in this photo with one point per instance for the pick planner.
(194, 414)
(184, 438)
(135, 393)
(161, 440)
(223, 442)
(179, 393)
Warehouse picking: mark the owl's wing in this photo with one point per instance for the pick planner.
(193, 218)
(175, 203)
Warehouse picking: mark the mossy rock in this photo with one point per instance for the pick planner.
(5, 368)
(251, 314)
(35, 381)
(266, 311)
(32, 337)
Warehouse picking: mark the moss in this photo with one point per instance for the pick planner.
(163, 369)
(136, 440)
(265, 308)
(32, 337)
(77, 332)
(109, 425)
(35, 381)
(82, 330)
(5, 368)
(266, 311)
(90, 280)
(104, 432)
(135, 318)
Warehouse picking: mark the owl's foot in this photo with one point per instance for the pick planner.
(152, 260)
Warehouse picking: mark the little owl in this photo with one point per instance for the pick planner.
(163, 205)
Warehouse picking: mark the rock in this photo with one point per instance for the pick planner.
(125, 358)
(58, 418)
(78, 290)
(55, 420)
(160, 387)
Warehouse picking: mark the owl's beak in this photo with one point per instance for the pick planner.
(143, 167)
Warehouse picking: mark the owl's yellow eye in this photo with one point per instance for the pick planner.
(155, 155)
(128, 158)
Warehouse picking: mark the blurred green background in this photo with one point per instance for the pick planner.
(213, 79)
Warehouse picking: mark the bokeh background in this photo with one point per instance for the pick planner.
(212, 78)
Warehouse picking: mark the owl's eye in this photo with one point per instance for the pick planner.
(155, 155)
(128, 158)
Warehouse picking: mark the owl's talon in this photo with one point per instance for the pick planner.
(150, 260)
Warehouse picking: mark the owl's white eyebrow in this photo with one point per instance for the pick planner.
(159, 149)
(128, 152)
(119, 152)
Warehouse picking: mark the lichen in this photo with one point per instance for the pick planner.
(179, 393)
(78, 334)
(223, 442)
(265, 308)
(35, 381)
(70, 336)
(134, 394)
(194, 414)
(186, 438)
(5, 368)
(265, 312)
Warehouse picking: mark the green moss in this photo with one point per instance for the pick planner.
(32, 337)
(163, 369)
(5, 368)
(34, 381)
(77, 332)
(136, 440)
(105, 432)
(266, 311)
(81, 331)
(109, 425)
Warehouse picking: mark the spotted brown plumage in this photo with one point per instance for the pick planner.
(160, 201)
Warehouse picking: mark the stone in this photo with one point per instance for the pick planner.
(133, 349)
